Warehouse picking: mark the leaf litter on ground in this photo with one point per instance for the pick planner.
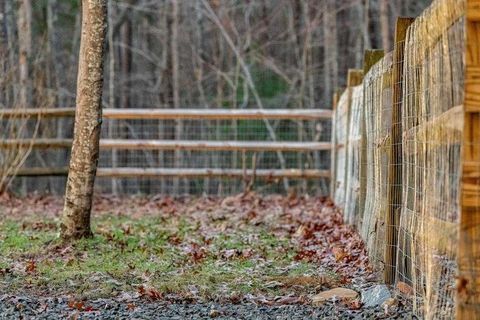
(265, 249)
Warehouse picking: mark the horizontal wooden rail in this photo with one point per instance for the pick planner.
(444, 128)
(175, 145)
(191, 114)
(182, 173)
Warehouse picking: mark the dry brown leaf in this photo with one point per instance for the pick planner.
(31, 266)
(405, 288)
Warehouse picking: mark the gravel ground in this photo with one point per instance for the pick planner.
(15, 307)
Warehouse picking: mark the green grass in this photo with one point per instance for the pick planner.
(128, 253)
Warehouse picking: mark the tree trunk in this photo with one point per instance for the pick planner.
(176, 87)
(111, 93)
(366, 25)
(88, 120)
(3, 49)
(25, 49)
(384, 27)
(330, 52)
(24, 22)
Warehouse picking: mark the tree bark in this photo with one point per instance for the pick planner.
(88, 120)
(3, 48)
(384, 27)
(176, 87)
(330, 51)
(111, 92)
(25, 49)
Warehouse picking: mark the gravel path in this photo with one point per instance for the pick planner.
(15, 307)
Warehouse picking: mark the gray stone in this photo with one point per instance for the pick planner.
(375, 296)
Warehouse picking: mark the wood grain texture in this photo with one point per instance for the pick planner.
(468, 257)
(371, 57)
(395, 170)
(131, 144)
(183, 173)
(187, 114)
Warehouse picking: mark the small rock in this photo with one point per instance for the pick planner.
(214, 313)
(338, 293)
(375, 296)
(389, 305)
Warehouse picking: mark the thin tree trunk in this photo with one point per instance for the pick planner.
(366, 25)
(385, 30)
(112, 124)
(199, 40)
(125, 61)
(162, 80)
(25, 49)
(53, 83)
(176, 87)
(10, 27)
(3, 48)
(88, 120)
(24, 22)
(330, 52)
(249, 81)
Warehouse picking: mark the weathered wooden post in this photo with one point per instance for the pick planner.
(370, 58)
(468, 297)
(333, 155)
(392, 218)
(354, 78)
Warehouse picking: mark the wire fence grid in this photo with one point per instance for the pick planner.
(413, 136)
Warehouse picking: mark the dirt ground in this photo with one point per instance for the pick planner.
(207, 253)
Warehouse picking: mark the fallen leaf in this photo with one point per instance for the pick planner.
(339, 254)
(405, 288)
(31, 266)
(289, 300)
(78, 305)
(89, 309)
(150, 293)
(336, 293)
(355, 305)
(196, 252)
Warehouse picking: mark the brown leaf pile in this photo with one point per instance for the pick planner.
(312, 226)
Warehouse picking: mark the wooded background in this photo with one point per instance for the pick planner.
(192, 54)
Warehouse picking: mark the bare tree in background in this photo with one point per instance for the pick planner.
(384, 25)
(330, 51)
(196, 54)
(88, 120)
(25, 49)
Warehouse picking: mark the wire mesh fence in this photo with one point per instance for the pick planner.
(352, 185)
(340, 126)
(432, 129)
(416, 144)
(378, 116)
(196, 154)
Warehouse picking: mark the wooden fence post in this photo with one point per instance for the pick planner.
(468, 257)
(371, 57)
(354, 78)
(392, 218)
(333, 154)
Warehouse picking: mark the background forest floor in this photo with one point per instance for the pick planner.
(269, 251)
